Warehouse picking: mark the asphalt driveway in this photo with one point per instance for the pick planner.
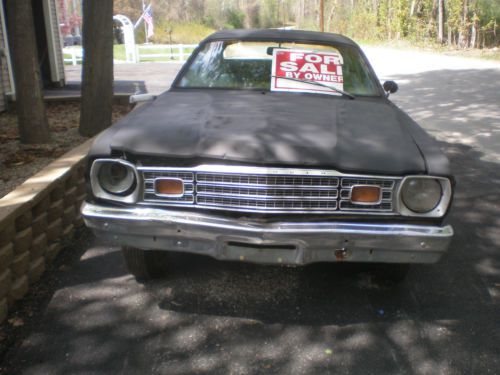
(210, 317)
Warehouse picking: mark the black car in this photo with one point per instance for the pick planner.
(271, 146)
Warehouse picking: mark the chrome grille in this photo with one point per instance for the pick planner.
(287, 181)
(268, 190)
(274, 204)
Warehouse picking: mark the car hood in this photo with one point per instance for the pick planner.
(366, 135)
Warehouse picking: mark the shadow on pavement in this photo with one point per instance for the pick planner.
(457, 106)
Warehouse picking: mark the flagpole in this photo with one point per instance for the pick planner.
(145, 26)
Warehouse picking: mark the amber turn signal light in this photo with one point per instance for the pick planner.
(169, 186)
(364, 194)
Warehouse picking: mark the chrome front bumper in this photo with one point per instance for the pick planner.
(271, 243)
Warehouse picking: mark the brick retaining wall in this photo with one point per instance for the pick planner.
(37, 220)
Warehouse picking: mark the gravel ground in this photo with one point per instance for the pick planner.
(18, 162)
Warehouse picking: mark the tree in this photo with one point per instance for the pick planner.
(441, 21)
(97, 74)
(32, 119)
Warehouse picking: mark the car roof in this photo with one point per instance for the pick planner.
(281, 35)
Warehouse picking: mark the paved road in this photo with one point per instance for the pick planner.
(151, 77)
(216, 318)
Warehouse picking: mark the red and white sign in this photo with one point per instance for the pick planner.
(321, 67)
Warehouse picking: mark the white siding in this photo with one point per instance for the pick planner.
(5, 75)
(54, 41)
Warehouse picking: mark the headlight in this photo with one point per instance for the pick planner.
(421, 195)
(115, 177)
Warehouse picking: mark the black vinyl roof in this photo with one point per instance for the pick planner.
(279, 34)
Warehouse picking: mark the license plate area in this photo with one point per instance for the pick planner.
(261, 253)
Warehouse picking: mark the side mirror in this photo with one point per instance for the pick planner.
(138, 98)
(390, 87)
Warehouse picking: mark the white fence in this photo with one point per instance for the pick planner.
(75, 55)
(165, 52)
(173, 53)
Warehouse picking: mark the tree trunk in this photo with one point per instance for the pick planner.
(32, 119)
(330, 17)
(463, 37)
(432, 18)
(412, 7)
(322, 15)
(473, 37)
(97, 74)
(441, 21)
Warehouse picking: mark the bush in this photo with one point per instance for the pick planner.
(235, 19)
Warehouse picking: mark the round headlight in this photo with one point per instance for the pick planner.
(421, 195)
(115, 177)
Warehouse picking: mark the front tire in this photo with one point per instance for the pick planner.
(144, 264)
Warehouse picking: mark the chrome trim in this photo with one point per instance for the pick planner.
(394, 187)
(169, 195)
(199, 173)
(266, 197)
(439, 210)
(265, 187)
(366, 177)
(201, 233)
(186, 176)
(99, 192)
(367, 209)
(228, 206)
(262, 186)
(217, 168)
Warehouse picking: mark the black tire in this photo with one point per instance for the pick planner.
(394, 273)
(145, 264)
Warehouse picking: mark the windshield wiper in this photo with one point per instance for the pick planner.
(345, 93)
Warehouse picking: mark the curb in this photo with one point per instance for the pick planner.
(36, 220)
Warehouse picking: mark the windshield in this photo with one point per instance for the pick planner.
(249, 65)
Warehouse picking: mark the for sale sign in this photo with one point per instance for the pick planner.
(292, 66)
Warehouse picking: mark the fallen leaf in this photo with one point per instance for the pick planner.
(16, 322)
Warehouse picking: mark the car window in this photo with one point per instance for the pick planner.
(248, 65)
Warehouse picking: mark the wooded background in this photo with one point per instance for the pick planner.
(460, 23)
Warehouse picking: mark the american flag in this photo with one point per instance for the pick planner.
(148, 18)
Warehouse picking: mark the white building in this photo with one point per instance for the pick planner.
(49, 46)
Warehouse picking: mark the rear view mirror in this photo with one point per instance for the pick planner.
(390, 87)
(270, 50)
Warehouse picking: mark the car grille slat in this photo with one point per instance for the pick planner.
(310, 191)
(256, 180)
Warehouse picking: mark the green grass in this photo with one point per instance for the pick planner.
(119, 52)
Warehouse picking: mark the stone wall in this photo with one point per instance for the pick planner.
(37, 220)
